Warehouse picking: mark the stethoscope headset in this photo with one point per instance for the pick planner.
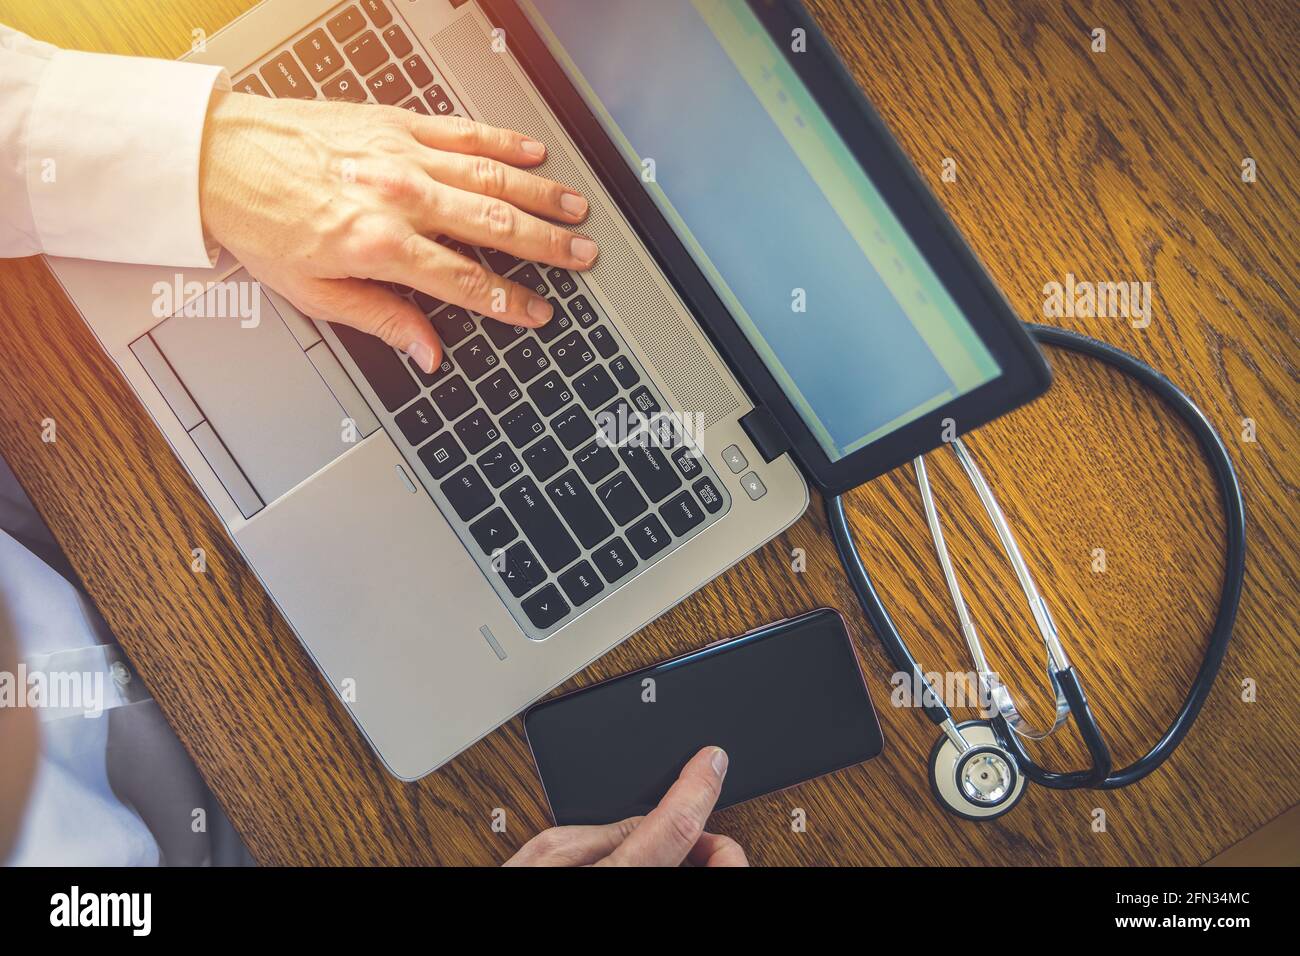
(979, 768)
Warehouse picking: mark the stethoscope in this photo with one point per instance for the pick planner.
(979, 768)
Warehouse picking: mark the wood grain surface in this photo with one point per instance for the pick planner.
(1115, 166)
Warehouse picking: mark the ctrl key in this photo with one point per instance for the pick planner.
(545, 608)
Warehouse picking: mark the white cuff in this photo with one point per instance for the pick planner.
(113, 158)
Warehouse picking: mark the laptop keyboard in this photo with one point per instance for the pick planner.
(505, 428)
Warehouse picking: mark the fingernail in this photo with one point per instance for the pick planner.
(573, 204)
(584, 250)
(719, 762)
(423, 356)
(540, 310)
(533, 148)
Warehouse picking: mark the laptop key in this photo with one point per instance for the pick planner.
(624, 371)
(416, 70)
(550, 394)
(502, 334)
(572, 427)
(575, 503)
(539, 523)
(498, 391)
(572, 353)
(682, 513)
(381, 366)
(441, 455)
(595, 461)
(493, 531)
(415, 106)
(545, 608)
(441, 371)
(365, 53)
(521, 425)
(346, 24)
(527, 360)
(648, 536)
(476, 357)
(500, 465)
(498, 261)
(378, 12)
(518, 568)
(604, 341)
(595, 387)
(559, 324)
(468, 492)
(709, 494)
(418, 421)
(476, 431)
(545, 458)
(614, 558)
(621, 498)
(286, 79)
(251, 84)
(318, 55)
(644, 402)
(530, 278)
(687, 461)
(344, 87)
(438, 102)
(454, 325)
(453, 398)
(580, 583)
(651, 470)
(563, 282)
(388, 86)
(583, 312)
(398, 43)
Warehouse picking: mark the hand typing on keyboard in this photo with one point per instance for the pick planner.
(329, 202)
(671, 834)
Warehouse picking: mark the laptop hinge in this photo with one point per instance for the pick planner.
(766, 433)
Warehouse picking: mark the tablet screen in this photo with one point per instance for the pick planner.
(819, 274)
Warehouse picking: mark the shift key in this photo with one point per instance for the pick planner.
(539, 523)
(385, 372)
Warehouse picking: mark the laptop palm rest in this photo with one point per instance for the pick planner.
(268, 420)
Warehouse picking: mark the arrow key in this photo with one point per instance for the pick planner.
(545, 608)
(494, 530)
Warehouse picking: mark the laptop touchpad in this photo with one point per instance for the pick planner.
(255, 386)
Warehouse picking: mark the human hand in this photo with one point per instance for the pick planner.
(670, 834)
(328, 202)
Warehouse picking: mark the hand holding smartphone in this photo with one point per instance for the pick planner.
(786, 702)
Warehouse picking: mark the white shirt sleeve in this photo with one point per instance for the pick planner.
(99, 154)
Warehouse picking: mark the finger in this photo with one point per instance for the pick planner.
(373, 308)
(434, 269)
(484, 221)
(573, 846)
(671, 829)
(489, 177)
(456, 134)
(714, 849)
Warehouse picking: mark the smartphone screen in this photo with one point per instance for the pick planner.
(787, 703)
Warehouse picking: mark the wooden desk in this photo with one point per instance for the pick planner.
(1115, 166)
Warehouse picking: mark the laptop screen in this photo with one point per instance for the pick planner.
(840, 304)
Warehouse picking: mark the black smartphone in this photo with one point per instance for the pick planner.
(787, 702)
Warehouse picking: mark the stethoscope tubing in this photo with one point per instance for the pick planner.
(1100, 775)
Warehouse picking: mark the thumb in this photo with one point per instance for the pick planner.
(377, 309)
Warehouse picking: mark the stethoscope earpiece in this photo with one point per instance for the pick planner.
(979, 783)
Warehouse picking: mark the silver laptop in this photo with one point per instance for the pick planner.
(447, 547)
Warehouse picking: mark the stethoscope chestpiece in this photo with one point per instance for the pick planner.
(979, 783)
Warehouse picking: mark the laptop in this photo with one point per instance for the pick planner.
(777, 300)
